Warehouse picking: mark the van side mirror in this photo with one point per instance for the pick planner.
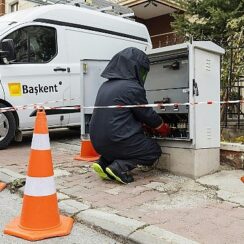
(8, 50)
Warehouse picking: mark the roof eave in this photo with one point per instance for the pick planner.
(131, 3)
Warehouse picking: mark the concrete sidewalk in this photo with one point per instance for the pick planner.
(158, 207)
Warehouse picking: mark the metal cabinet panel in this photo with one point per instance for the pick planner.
(207, 116)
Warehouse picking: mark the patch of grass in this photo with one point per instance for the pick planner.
(239, 139)
(16, 184)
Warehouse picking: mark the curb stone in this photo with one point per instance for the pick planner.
(130, 229)
(72, 206)
(61, 196)
(113, 223)
(8, 176)
(156, 235)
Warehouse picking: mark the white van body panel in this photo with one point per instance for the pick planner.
(38, 75)
(81, 34)
(78, 16)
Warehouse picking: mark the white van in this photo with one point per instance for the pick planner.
(41, 49)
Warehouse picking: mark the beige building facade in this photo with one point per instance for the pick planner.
(8, 6)
(15, 5)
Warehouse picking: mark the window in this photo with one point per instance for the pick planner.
(34, 44)
(14, 7)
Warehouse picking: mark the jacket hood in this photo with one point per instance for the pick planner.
(127, 65)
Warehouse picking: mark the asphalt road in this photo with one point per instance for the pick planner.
(10, 207)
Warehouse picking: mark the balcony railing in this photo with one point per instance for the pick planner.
(166, 39)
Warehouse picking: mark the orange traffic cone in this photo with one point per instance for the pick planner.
(2, 186)
(40, 217)
(87, 152)
(242, 179)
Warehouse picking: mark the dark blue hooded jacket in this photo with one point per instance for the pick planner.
(124, 87)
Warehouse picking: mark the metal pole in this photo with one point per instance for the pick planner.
(239, 106)
(82, 101)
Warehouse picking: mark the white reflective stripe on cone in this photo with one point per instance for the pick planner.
(40, 142)
(39, 186)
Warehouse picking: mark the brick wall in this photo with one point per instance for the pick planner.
(161, 31)
(160, 24)
(2, 7)
(232, 154)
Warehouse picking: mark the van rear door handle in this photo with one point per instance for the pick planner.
(59, 69)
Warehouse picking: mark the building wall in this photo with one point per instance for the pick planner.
(2, 7)
(160, 24)
(14, 5)
(161, 31)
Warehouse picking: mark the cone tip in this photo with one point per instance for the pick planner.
(41, 123)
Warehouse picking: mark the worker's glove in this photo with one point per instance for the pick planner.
(163, 130)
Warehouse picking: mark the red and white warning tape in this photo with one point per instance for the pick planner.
(36, 105)
(160, 105)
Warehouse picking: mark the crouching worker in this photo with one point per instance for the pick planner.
(117, 133)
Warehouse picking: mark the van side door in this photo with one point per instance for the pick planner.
(39, 74)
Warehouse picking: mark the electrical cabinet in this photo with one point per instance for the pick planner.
(188, 76)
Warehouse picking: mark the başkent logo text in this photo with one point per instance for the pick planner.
(39, 89)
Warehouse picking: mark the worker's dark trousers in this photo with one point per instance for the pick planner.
(127, 154)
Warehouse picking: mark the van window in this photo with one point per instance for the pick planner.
(34, 44)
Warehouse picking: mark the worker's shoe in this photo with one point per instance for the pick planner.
(122, 177)
(100, 168)
(100, 172)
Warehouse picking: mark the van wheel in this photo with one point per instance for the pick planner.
(7, 128)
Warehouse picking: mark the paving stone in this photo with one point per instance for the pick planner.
(111, 222)
(70, 191)
(233, 197)
(114, 191)
(225, 180)
(136, 190)
(131, 213)
(122, 204)
(60, 172)
(215, 223)
(228, 184)
(155, 235)
(182, 199)
(145, 196)
(164, 187)
(72, 206)
(62, 196)
(108, 210)
(97, 197)
(193, 186)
